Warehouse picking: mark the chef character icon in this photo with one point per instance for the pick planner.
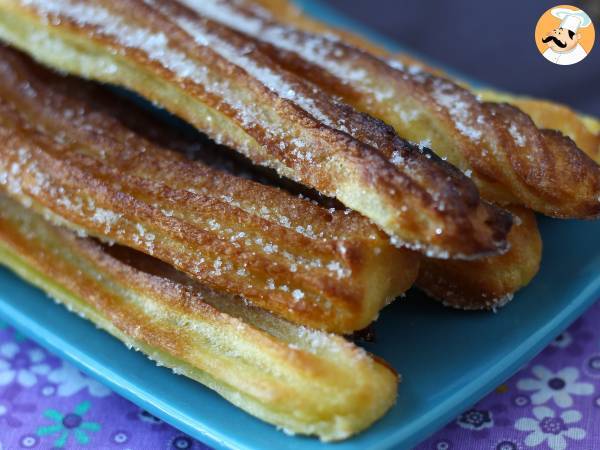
(563, 42)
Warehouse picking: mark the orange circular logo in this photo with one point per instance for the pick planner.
(565, 35)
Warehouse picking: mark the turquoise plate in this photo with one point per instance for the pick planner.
(449, 359)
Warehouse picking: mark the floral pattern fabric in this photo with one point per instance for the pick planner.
(553, 403)
(46, 403)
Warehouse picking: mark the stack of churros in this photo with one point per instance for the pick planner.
(329, 178)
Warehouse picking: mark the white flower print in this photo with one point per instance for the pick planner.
(475, 419)
(559, 386)
(546, 427)
(20, 365)
(70, 381)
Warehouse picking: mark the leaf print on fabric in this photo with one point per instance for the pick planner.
(559, 386)
(70, 381)
(70, 424)
(21, 366)
(548, 428)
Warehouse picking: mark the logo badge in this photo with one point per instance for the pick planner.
(565, 35)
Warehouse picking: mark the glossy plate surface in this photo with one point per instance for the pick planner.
(448, 359)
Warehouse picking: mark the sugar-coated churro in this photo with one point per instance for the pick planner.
(223, 83)
(498, 145)
(81, 167)
(305, 381)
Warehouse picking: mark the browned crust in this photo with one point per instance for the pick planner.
(326, 269)
(584, 130)
(511, 160)
(421, 200)
(554, 116)
(532, 171)
(306, 381)
(491, 282)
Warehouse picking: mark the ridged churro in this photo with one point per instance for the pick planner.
(303, 380)
(584, 131)
(483, 284)
(82, 168)
(498, 145)
(221, 81)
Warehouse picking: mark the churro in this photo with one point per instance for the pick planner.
(82, 168)
(302, 380)
(496, 144)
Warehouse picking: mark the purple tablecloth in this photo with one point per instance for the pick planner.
(552, 403)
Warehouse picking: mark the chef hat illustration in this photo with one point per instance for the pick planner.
(572, 19)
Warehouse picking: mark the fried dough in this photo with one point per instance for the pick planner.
(509, 158)
(483, 284)
(224, 84)
(81, 167)
(491, 282)
(305, 381)
(585, 131)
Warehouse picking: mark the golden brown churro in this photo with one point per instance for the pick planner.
(329, 269)
(305, 381)
(509, 158)
(584, 131)
(491, 282)
(488, 283)
(554, 116)
(223, 83)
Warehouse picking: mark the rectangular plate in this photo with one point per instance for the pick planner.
(449, 359)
